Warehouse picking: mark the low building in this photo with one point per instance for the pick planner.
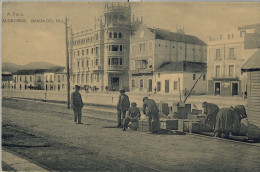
(7, 81)
(176, 77)
(252, 68)
(28, 79)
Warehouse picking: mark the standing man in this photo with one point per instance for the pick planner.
(122, 106)
(150, 109)
(211, 110)
(77, 104)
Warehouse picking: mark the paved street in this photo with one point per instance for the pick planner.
(124, 151)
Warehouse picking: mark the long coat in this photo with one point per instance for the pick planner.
(123, 103)
(76, 100)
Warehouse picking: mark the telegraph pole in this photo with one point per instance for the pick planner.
(67, 64)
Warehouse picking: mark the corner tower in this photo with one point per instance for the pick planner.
(117, 29)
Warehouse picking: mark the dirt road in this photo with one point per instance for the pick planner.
(98, 145)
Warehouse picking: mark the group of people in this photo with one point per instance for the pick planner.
(224, 120)
(133, 115)
(125, 113)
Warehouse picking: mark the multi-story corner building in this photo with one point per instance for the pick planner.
(60, 80)
(226, 55)
(152, 49)
(100, 56)
(28, 79)
(7, 80)
(55, 79)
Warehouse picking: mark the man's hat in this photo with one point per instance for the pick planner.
(133, 104)
(145, 98)
(77, 86)
(122, 91)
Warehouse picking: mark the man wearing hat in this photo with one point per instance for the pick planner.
(211, 110)
(122, 106)
(150, 109)
(133, 116)
(77, 104)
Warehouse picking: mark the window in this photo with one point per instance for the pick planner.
(58, 78)
(78, 78)
(82, 78)
(231, 70)
(114, 47)
(82, 52)
(204, 77)
(87, 51)
(115, 61)
(218, 54)
(78, 64)
(194, 76)
(21, 78)
(96, 50)
(63, 77)
(87, 63)
(82, 63)
(91, 77)
(150, 46)
(217, 71)
(228, 36)
(92, 62)
(141, 83)
(87, 78)
(109, 61)
(231, 53)
(97, 77)
(115, 35)
(121, 61)
(175, 85)
(158, 86)
(30, 79)
(78, 52)
(73, 78)
(132, 65)
(92, 50)
(110, 34)
(133, 83)
(96, 62)
(120, 35)
(142, 47)
(50, 78)
(158, 75)
(121, 47)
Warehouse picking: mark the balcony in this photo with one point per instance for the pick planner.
(115, 68)
(141, 71)
(96, 68)
(115, 53)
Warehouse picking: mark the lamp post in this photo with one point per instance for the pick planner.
(67, 63)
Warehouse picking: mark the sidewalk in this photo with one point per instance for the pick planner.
(12, 162)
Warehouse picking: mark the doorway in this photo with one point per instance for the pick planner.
(234, 89)
(115, 83)
(217, 88)
(166, 86)
(150, 88)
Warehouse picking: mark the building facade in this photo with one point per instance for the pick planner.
(151, 48)
(226, 55)
(100, 56)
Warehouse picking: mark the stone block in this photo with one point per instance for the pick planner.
(169, 124)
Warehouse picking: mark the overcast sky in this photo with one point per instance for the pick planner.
(23, 43)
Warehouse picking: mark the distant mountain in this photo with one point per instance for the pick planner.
(38, 65)
(11, 67)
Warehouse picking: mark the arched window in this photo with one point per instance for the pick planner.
(110, 34)
(115, 35)
(120, 35)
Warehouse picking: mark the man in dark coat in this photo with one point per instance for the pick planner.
(211, 110)
(150, 109)
(122, 106)
(77, 104)
(133, 116)
(228, 120)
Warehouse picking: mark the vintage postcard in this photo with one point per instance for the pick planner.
(130, 86)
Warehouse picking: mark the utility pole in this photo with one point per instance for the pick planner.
(67, 64)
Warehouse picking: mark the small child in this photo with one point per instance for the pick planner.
(133, 116)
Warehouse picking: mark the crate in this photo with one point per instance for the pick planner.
(143, 125)
(169, 124)
(194, 127)
(183, 125)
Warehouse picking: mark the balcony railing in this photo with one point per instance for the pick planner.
(115, 53)
(115, 67)
(141, 71)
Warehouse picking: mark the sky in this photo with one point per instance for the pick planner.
(27, 42)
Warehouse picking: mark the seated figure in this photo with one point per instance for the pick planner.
(133, 116)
